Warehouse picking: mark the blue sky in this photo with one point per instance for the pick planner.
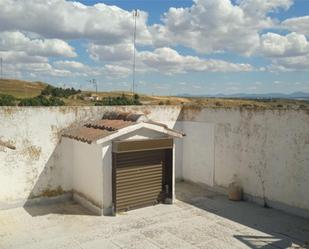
(196, 47)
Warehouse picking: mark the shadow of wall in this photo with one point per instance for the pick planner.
(276, 229)
(54, 183)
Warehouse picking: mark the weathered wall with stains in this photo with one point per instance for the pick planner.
(39, 162)
(266, 151)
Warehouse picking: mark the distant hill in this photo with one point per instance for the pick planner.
(21, 88)
(26, 89)
(295, 95)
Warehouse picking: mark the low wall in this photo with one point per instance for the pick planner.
(266, 151)
(40, 164)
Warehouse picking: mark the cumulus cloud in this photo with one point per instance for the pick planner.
(167, 60)
(32, 31)
(18, 41)
(116, 71)
(260, 8)
(36, 69)
(217, 25)
(70, 65)
(71, 20)
(293, 44)
(118, 52)
(287, 53)
(297, 24)
(13, 57)
(296, 63)
(81, 69)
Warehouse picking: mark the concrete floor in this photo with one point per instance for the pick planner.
(199, 219)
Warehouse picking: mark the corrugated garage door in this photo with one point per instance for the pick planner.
(142, 173)
(140, 178)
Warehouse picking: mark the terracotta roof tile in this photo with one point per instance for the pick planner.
(86, 134)
(111, 123)
(93, 131)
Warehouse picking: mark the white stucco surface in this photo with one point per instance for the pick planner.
(41, 163)
(266, 151)
(88, 172)
(198, 156)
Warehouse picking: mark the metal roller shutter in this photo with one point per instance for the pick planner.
(138, 179)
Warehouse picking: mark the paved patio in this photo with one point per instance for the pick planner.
(199, 219)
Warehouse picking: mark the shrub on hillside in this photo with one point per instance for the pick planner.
(59, 92)
(41, 101)
(122, 100)
(7, 100)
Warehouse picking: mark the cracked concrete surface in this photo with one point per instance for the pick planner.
(198, 219)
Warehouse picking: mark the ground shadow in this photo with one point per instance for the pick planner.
(63, 208)
(276, 229)
(50, 193)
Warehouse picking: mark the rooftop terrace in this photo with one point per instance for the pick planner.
(198, 219)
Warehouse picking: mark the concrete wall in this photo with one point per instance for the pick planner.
(266, 151)
(88, 172)
(40, 165)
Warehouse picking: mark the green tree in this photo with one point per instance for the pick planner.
(7, 100)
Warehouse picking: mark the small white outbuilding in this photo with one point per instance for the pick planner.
(121, 162)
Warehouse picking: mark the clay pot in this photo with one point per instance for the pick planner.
(235, 192)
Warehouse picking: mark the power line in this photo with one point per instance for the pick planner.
(1, 62)
(94, 82)
(135, 15)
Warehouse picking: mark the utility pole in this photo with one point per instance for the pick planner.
(135, 15)
(94, 82)
(1, 65)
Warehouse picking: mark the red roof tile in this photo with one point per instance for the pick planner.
(85, 134)
(96, 130)
(111, 123)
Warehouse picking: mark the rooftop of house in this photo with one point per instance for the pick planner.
(199, 219)
(111, 123)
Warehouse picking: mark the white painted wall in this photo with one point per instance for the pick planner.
(88, 172)
(41, 162)
(107, 177)
(261, 147)
(198, 152)
(267, 151)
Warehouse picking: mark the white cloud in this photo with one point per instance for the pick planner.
(287, 53)
(297, 24)
(70, 20)
(37, 69)
(115, 71)
(296, 63)
(70, 65)
(217, 25)
(13, 57)
(260, 8)
(164, 60)
(79, 69)
(18, 41)
(293, 44)
(116, 52)
(32, 31)
(167, 60)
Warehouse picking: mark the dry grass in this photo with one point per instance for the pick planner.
(20, 88)
(25, 89)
